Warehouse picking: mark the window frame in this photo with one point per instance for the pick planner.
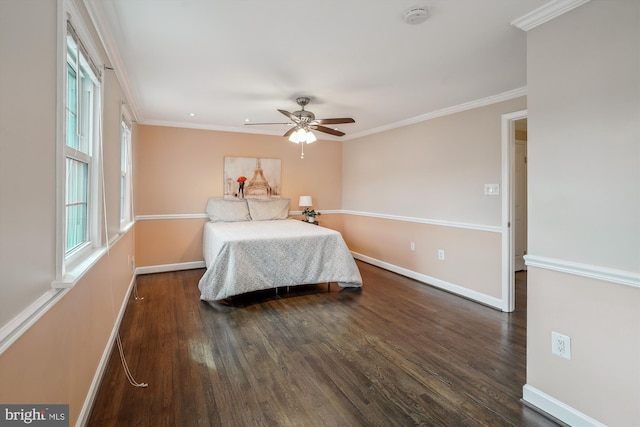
(72, 263)
(126, 169)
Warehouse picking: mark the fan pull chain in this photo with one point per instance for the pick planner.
(302, 146)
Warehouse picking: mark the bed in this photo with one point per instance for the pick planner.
(261, 248)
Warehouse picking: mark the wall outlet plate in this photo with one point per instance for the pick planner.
(561, 345)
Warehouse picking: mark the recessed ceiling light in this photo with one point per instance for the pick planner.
(192, 114)
(247, 120)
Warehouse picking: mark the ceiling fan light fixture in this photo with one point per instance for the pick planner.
(298, 136)
(310, 137)
(294, 138)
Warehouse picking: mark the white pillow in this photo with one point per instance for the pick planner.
(264, 210)
(227, 210)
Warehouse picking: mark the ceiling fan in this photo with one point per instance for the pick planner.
(306, 121)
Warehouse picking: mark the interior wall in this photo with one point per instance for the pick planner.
(584, 210)
(178, 169)
(424, 183)
(469, 267)
(55, 360)
(27, 153)
(586, 136)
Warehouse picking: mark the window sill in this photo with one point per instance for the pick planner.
(72, 276)
(126, 226)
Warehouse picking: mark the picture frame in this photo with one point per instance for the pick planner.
(252, 178)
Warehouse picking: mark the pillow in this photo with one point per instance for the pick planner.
(264, 210)
(227, 210)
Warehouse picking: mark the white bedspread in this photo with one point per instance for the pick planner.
(253, 255)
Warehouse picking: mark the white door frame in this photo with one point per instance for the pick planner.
(508, 200)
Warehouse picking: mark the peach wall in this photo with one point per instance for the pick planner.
(178, 169)
(56, 360)
(435, 169)
(424, 183)
(471, 256)
(172, 241)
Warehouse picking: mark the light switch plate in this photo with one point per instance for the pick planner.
(492, 189)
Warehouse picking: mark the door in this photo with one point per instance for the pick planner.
(520, 198)
(513, 129)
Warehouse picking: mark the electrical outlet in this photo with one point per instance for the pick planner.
(561, 345)
(441, 254)
(412, 246)
(132, 262)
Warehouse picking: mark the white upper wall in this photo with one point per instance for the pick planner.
(27, 152)
(30, 31)
(584, 136)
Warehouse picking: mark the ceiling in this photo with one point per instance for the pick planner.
(228, 61)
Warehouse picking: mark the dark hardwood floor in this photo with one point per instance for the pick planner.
(395, 353)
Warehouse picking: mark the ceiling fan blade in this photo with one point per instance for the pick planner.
(336, 121)
(327, 130)
(291, 116)
(290, 131)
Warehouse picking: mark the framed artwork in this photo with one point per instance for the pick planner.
(250, 177)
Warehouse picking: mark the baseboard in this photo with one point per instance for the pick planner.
(170, 267)
(83, 418)
(556, 408)
(438, 283)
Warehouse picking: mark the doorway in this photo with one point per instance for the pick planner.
(514, 203)
(520, 195)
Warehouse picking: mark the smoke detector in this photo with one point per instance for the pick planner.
(416, 15)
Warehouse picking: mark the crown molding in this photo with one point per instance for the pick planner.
(95, 8)
(546, 13)
(504, 96)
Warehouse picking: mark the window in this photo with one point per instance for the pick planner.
(126, 205)
(82, 109)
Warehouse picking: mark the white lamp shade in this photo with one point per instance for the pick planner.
(298, 136)
(302, 135)
(294, 137)
(305, 201)
(310, 137)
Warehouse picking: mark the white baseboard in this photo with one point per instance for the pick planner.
(557, 409)
(170, 267)
(83, 418)
(438, 283)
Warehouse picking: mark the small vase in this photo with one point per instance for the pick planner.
(311, 219)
